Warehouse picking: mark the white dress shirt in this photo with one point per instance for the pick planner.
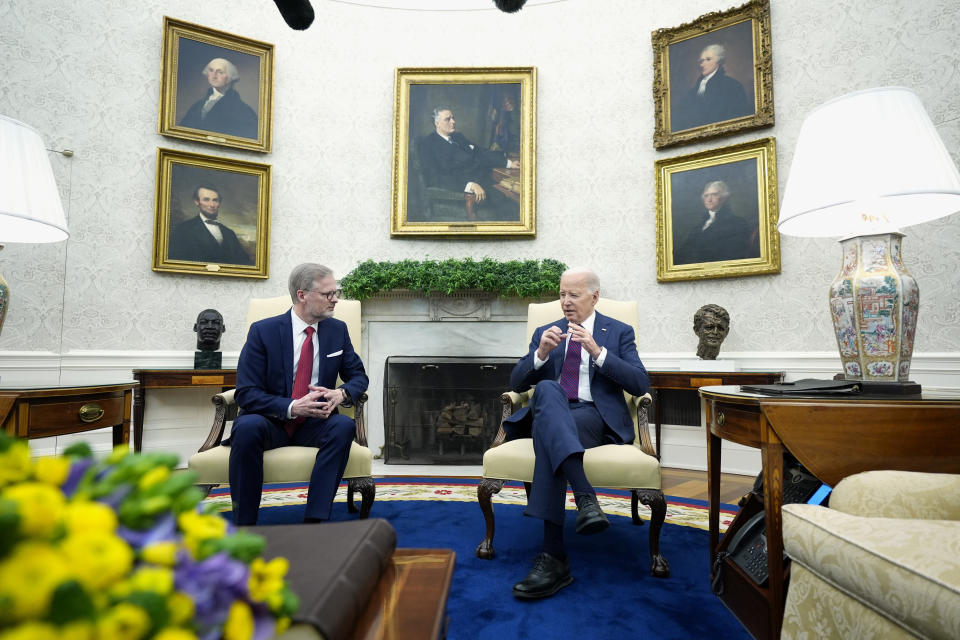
(299, 337)
(583, 390)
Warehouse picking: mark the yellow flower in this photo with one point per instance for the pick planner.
(28, 577)
(155, 579)
(282, 625)
(98, 559)
(123, 622)
(15, 463)
(51, 470)
(181, 608)
(239, 624)
(266, 579)
(31, 631)
(198, 528)
(162, 553)
(175, 634)
(90, 516)
(153, 477)
(40, 507)
(78, 631)
(119, 453)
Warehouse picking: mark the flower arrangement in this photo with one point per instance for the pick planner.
(121, 549)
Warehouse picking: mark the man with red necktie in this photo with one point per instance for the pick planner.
(581, 365)
(287, 394)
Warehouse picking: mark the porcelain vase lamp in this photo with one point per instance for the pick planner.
(867, 164)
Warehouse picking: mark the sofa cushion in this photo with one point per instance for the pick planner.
(905, 570)
(899, 494)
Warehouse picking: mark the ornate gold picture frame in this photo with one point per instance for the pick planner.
(464, 152)
(739, 238)
(215, 87)
(713, 76)
(212, 215)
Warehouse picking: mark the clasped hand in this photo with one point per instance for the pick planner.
(318, 403)
(552, 337)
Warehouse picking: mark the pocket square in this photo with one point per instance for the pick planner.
(335, 354)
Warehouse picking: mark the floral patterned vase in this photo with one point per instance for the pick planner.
(874, 303)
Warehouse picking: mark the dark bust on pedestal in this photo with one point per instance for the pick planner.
(711, 323)
(209, 327)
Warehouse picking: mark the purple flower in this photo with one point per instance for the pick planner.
(77, 468)
(164, 529)
(213, 585)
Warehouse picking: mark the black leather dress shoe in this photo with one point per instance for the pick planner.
(548, 576)
(590, 517)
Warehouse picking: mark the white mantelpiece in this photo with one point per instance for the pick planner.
(405, 323)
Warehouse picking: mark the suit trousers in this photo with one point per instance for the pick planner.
(253, 434)
(560, 429)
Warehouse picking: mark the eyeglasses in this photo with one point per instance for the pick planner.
(329, 295)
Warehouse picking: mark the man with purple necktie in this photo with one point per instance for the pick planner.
(581, 365)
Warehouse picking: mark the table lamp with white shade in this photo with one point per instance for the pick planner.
(867, 164)
(30, 207)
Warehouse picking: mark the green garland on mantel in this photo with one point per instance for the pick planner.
(519, 278)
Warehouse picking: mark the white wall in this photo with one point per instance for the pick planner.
(87, 73)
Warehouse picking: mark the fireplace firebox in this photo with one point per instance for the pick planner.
(441, 409)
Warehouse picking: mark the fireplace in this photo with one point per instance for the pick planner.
(441, 409)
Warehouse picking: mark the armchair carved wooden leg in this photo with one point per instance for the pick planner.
(634, 510)
(485, 491)
(368, 491)
(653, 498)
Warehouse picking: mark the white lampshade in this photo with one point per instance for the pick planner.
(868, 160)
(30, 207)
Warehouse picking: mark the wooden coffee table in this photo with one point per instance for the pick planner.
(410, 601)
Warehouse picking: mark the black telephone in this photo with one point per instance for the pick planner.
(748, 549)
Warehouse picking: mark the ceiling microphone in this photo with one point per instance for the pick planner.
(298, 14)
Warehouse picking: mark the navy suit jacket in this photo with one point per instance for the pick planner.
(621, 371)
(265, 368)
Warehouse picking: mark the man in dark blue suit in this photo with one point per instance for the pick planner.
(286, 399)
(581, 365)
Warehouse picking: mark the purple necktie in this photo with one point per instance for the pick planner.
(570, 372)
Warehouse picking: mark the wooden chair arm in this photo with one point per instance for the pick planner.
(511, 401)
(358, 416)
(643, 426)
(225, 408)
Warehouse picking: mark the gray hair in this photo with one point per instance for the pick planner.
(721, 187)
(437, 110)
(232, 74)
(593, 281)
(304, 275)
(718, 50)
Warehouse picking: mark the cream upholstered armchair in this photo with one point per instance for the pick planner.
(883, 561)
(290, 464)
(624, 466)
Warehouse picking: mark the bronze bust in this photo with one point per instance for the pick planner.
(209, 327)
(711, 323)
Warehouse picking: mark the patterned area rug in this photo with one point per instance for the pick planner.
(680, 511)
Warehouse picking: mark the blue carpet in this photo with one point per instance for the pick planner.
(613, 594)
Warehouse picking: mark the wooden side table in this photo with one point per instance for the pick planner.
(223, 379)
(43, 412)
(693, 380)
(833, 437)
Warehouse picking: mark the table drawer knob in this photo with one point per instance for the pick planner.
(721, 419)
(90, 412)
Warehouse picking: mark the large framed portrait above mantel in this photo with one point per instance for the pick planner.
(464, 152)
(713, 76)
(717, 213)
(212, 215)
(215, 87)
